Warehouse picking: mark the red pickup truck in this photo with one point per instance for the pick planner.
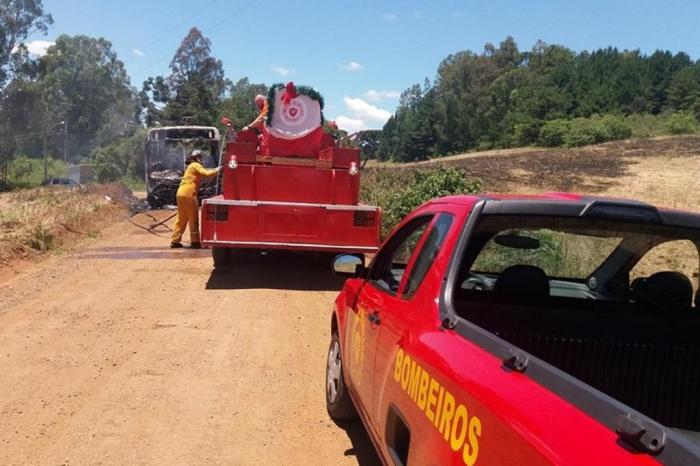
(524, 330)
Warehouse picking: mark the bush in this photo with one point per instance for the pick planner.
(122, 158)
(41, 238)
(682, 123)
(553, 132)
(526, 132)
(420, 187)
(26, 172)
(616, 127)
(583, 132)
(109, 164)
(645, 125)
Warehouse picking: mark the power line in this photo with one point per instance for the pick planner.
(235, 13)
(179, 25)
(219, 23)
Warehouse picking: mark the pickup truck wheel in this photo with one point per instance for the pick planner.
(338, 402)
(221, 256)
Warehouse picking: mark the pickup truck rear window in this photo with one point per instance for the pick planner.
(580, 257)
(558, 253)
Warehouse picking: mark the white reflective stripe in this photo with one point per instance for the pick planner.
(303, 245)
(225, 202)
(365, 208)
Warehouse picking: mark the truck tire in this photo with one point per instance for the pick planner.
(338, 402)
(221, 256)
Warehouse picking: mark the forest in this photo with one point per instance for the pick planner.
(550, 95)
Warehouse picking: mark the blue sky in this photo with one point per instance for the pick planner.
(361, 54)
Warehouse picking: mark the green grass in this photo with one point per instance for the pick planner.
(134, 184)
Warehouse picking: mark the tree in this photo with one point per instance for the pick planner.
(368, 142)
(239, 103)
(18, 20)
(193, 91)
(121, 158)
(684, 89)
(83, 83)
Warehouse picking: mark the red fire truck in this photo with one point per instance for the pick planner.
(289, 188)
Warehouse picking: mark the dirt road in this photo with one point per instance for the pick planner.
(130, 353)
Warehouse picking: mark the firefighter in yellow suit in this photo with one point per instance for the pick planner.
(187, 204)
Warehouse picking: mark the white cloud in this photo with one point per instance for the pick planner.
(38, 48)
(418, 14)
(390, 17)
(352, 66)
(362, 115)
(137, 53)
(364, 111)
(376, 96)
(351, 125)
(282, 71)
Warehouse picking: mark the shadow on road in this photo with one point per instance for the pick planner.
(278, 271)
(362, 446)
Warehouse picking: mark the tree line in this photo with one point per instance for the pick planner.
(77, 103)
(503, 97)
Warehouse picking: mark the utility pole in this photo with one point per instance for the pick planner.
(46, 143)
(46, 158)
(65, 140)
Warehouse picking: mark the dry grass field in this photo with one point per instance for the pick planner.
(662, 170)
(35, 221)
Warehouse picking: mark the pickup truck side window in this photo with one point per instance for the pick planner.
(427, 254)
(391, 262)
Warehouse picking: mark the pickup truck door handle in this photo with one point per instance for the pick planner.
(374, 318)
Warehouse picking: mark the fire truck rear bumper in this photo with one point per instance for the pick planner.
(290, 225)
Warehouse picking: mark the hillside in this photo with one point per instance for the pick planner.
(658, 170)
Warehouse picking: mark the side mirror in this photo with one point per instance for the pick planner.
(348, 265)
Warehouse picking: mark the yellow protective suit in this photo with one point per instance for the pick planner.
(187, 205)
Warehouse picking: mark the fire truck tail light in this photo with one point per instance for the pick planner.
(217, 213)
(364, 218)
(233, 163)
(353, 169)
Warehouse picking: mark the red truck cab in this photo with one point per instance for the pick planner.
(504, 330)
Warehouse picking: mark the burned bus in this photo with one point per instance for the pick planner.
(166, 151)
